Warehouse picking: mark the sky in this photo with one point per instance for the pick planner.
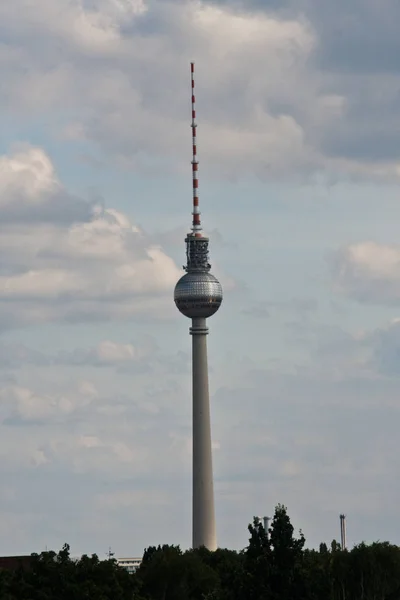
(299, 144)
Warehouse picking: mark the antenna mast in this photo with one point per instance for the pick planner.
(196, 242)
(196, 226)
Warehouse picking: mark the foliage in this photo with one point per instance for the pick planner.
(53, 576)
(274, 566)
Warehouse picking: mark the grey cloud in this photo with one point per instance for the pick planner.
(277, 437)
(357, 58)
(385, 345)
(16, 420)
(31, 193)
(121, 452)
(113, 87)
(302, 308)
(334, 342)
(15, 355)
(275, 6)
(91, 266)
(368, 130)
(371, 354)
(378, 144)
(259, 311)
(176, 364)
(334, 110)
(143, 357)
(60, 208)
(367, 272)
(104, 354)
(309, 432)
(356, 37)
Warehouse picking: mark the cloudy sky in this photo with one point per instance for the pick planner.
(299, 144)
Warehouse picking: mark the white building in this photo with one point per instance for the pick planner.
(130, 564)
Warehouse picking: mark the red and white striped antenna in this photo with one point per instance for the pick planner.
(196, 226)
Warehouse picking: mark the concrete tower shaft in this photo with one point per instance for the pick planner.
(203, 526)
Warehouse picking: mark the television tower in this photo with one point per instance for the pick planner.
(198, 295)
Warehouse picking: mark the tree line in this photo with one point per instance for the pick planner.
(274, 566)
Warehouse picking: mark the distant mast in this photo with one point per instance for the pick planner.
(266, 525)
(343, 542)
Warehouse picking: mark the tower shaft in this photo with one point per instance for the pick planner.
(204, 531)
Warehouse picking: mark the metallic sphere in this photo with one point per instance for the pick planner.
(198, 295)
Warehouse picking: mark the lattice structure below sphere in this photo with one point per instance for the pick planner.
(198, 295)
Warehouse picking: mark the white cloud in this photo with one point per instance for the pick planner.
(28, 173)
(124, 83)
(92, 29)
(113, 352)
(31, 191)
(368, 272)
(125, 357)
(69, 429)
(113, 73)
(128, 460)
(28, 405)
(132, 500)
(95, 265)
(384, 345)
(39, 458)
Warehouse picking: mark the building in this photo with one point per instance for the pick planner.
(129, 564)
(198, 295)
(13, 563)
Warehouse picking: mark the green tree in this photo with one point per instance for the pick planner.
(228, 567)
(168, 574)
(58, 577)
(287, 576)
(316, 568)
(256, 564)
(274, 566)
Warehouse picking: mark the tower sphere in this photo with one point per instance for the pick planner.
(198, 295)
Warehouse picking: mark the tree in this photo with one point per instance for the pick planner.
(159, 573)
(287, 577)
(257, 564)
(168, 574)
(274, 566)
(55, 576)
(228, 567)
